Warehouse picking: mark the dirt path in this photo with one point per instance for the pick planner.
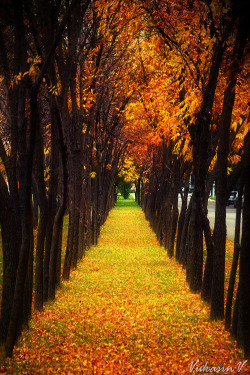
(126, 310)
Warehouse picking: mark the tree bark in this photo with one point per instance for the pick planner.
(175, 211)
(182, 217)
(52, 197)
(236, 255)
(10, 246)
(68, 253)
(16, 311)
(244, 274)
(183, 252)
(208, 272)
(61, 211)
(41, 233)
(217, 301)
(200, 139)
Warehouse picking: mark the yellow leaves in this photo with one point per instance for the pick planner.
(212, 164)
(241, 127)
(32, 72)
(46, 174)
(2, 169)
(84, 128)
(203, 33)
(128, 170)
(53, 90)
(92, 174)
(234, 126)
(176, 149)
(127, 309)
(46, 151)
(88, 99)
(18, 78)
(235, 159)
(34, 61)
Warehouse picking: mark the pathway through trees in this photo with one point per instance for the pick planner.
(126, 310)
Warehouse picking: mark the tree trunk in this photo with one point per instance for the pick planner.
(244, 274)
(60, 213)
(138, 191)
(200, 139)
(217, 301)
(28, 294)
(235, 320)
(35, 208)
(16, 312)
(182, 217)
(52, 196)
(183, 253)
(94, 211)
(75, 239)
(208, 272)
(82, 229)
(59, 260)
(236, 255)
(10, 246)
(54, 251)
(175, 211)
(41, 233)
(68, 253)
(195, 256)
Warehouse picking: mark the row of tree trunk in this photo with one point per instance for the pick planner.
(159, 197)
(64, 134)
(176, 230)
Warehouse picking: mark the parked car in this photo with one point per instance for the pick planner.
(233, 198)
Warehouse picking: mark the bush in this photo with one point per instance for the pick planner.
(125, 189)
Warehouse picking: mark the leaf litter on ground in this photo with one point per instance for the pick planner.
(127, 309)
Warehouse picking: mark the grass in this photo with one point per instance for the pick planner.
(126, 310)
(212, 198)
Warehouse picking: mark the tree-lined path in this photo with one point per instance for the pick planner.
(126, 310)
(98, 95)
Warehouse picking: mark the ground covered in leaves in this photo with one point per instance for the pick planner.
(126, 310)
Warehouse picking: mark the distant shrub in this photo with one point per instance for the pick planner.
(125, 189)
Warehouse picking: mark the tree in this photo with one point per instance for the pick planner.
(23, 82)
(217, 302)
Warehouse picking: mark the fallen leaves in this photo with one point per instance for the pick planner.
(126, 310)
